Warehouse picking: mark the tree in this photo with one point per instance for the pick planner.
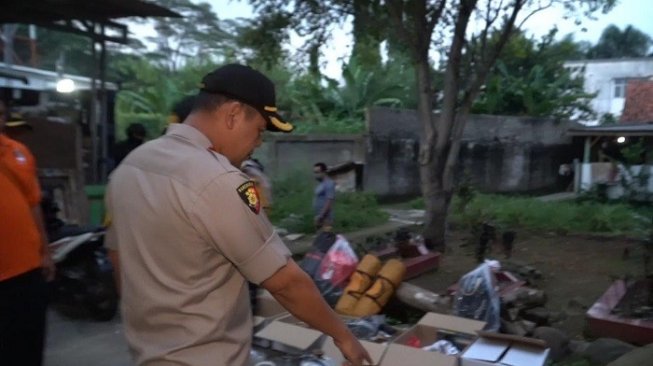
(441, 136)
(197, 32)
(615, 43)
(530, 79)
(414, 23)
(261, 40)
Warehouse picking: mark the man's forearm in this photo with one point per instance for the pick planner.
(305, 302)
(115, 262)
(326, 209)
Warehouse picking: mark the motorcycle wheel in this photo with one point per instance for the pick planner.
(102, 301)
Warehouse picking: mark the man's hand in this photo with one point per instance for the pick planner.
(353, 351)
(296, 292)
(318, 221)
(48, 267)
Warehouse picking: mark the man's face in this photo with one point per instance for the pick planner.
(248, 134)
(318, 173)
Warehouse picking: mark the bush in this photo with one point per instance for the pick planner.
(560, 217)
(293, 208)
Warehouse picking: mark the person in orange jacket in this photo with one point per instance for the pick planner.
(25, 261)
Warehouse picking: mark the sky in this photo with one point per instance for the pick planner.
(626, 12)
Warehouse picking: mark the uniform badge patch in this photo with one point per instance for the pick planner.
(248, 193)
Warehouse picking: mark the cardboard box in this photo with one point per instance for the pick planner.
(267, 309)
(430, 329)
(493, 349)
(375, 350)
(290, 335)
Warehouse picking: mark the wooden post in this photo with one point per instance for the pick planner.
(588, 149)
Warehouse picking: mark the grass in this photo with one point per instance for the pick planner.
(560, 217)
(292, 207)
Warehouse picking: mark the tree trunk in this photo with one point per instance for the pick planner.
(435, 198)
(423, 299)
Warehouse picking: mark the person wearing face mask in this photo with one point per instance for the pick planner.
(323, 198)
(188, 232)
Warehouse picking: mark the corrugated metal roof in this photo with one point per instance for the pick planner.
(613, 130)
(40, 11)
(38, 79)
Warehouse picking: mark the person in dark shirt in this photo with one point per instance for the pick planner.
(135, 137)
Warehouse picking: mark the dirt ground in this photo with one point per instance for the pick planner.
(576, 270)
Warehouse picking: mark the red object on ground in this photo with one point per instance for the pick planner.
(415, 266)
(602, 323)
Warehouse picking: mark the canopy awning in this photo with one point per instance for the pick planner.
(613, 130)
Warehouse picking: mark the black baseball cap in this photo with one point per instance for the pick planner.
(248, 86)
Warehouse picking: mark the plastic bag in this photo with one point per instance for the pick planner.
(339, 263)
(444, 347)
(313, 259)
(477, 299)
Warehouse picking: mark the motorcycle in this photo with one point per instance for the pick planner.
(84, 277)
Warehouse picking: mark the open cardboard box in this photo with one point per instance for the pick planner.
(492, 349)
(267, 309)
(290, 335)
(375, 350)
(430, 329)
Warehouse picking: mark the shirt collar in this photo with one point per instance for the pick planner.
(190, 133)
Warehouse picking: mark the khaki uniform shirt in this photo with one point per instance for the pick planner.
(190, 231)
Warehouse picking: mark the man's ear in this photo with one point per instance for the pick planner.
(233, 111)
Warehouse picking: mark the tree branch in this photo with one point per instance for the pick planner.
(452, 73)
(550, 4)
(434, 16)
(396, 12)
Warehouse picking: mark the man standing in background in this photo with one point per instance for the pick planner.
(25, 262)
(323, 198)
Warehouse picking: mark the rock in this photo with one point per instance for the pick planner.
(293, 237)
(556, 340)
(513, 314)
(557, 316)
(605, 350)
(515, 328)
(577, 303)
(281, 231)
(638, 357)
(529, 297)
(539, 316)
(578, 347)
(529, 326)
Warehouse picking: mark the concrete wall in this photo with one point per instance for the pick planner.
(601, 76)
(499, 154)
(282, 155)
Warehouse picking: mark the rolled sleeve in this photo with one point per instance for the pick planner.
(266, 261)
(245, 237)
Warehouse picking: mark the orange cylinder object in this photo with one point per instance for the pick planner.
(360, 281)
(385, 285)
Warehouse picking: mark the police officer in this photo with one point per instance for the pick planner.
(188, 232)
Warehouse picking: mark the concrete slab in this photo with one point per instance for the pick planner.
(85, 342)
